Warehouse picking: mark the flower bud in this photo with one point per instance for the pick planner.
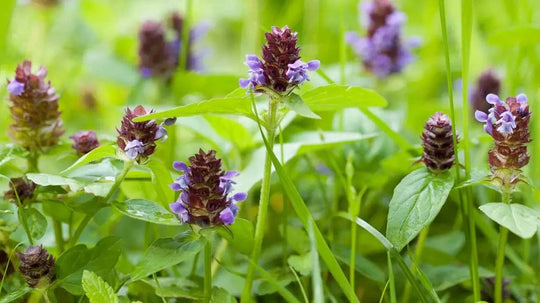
(206, 198)
(37, 266)
(137, 139)
(508, 124)
(156, 57)
(34, 110)
(20, 189)
(438, 143)
(84, 141)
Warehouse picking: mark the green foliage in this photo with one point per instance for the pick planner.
(239, 235)
(96, 289)
(519, 219)
(146, 210)
(417, 200)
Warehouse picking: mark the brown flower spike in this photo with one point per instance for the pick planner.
(37, 266)
(438, 143)
(34, 109)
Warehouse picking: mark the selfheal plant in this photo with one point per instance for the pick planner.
(34, 110)
(508, 123)
(37, 266)
(84, 141)
(382, 52)
(281, 69)
(488, 83)
(137, 139)
(206, 198)
(438, 143)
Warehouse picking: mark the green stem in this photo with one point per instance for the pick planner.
(127, 166)
(499, 263)
(58, 235)
(471, 227)
(391, 278)
(264, 200)
(466, 29)
(416, 261)
(208, 269)
(33, 162)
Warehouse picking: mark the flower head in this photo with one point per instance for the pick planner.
(206, 198)
(137, 139)
(37, 266)
(383, 52)
(34, 110)
(508, 123)
(84, 141)
(281, 69)
(156, 57)
(20, 189)
(438, 143)
(488, 83)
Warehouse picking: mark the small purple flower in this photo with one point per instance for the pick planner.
(15, 87)
(297, 72)
(134, 148)
(206, 197)
(256, 73)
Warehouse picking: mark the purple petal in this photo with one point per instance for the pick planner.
(146, 72)
(352, 38)
(226, 216)
(241, 196)
(161, 133)
(493, 99)
(480, 116)
(180, 166)
(175, 186)
(313, 65)
(177, 208)
(169, 121)
(244, 83)
(521, 98)
(488, 127)
(15, 87)
(229, 175)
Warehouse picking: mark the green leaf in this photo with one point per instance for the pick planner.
(515, 36)
(302, 263)
(97, 290)
(37, 223)
(167, 252)
(174, 287)
(94, 155)
(220, 295)
(232, 104)
(161, 178)
(519, 219)
(57, 210)
(239, 235)
(305, 216)
(16, 294)
(146, 210)
(275, 283)
(417, 200)
(295, 103)
(231, 131)
(446, 276)
(54, 180)
(335, 97)
(101, 259)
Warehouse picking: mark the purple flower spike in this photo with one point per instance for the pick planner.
(137, 139)
(206, 198)
(15, 87)
(383, 50)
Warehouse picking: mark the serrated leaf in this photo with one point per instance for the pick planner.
(101, 259)
(295, 103)
(417, 200)
(146, 210)
(239, 235)
(220, 295)
(335, 97)
(97, 290)
(167, 252)
(519, 219)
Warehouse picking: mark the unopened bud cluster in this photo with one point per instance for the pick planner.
(37, 266)
(20, 189)
(438, 143)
